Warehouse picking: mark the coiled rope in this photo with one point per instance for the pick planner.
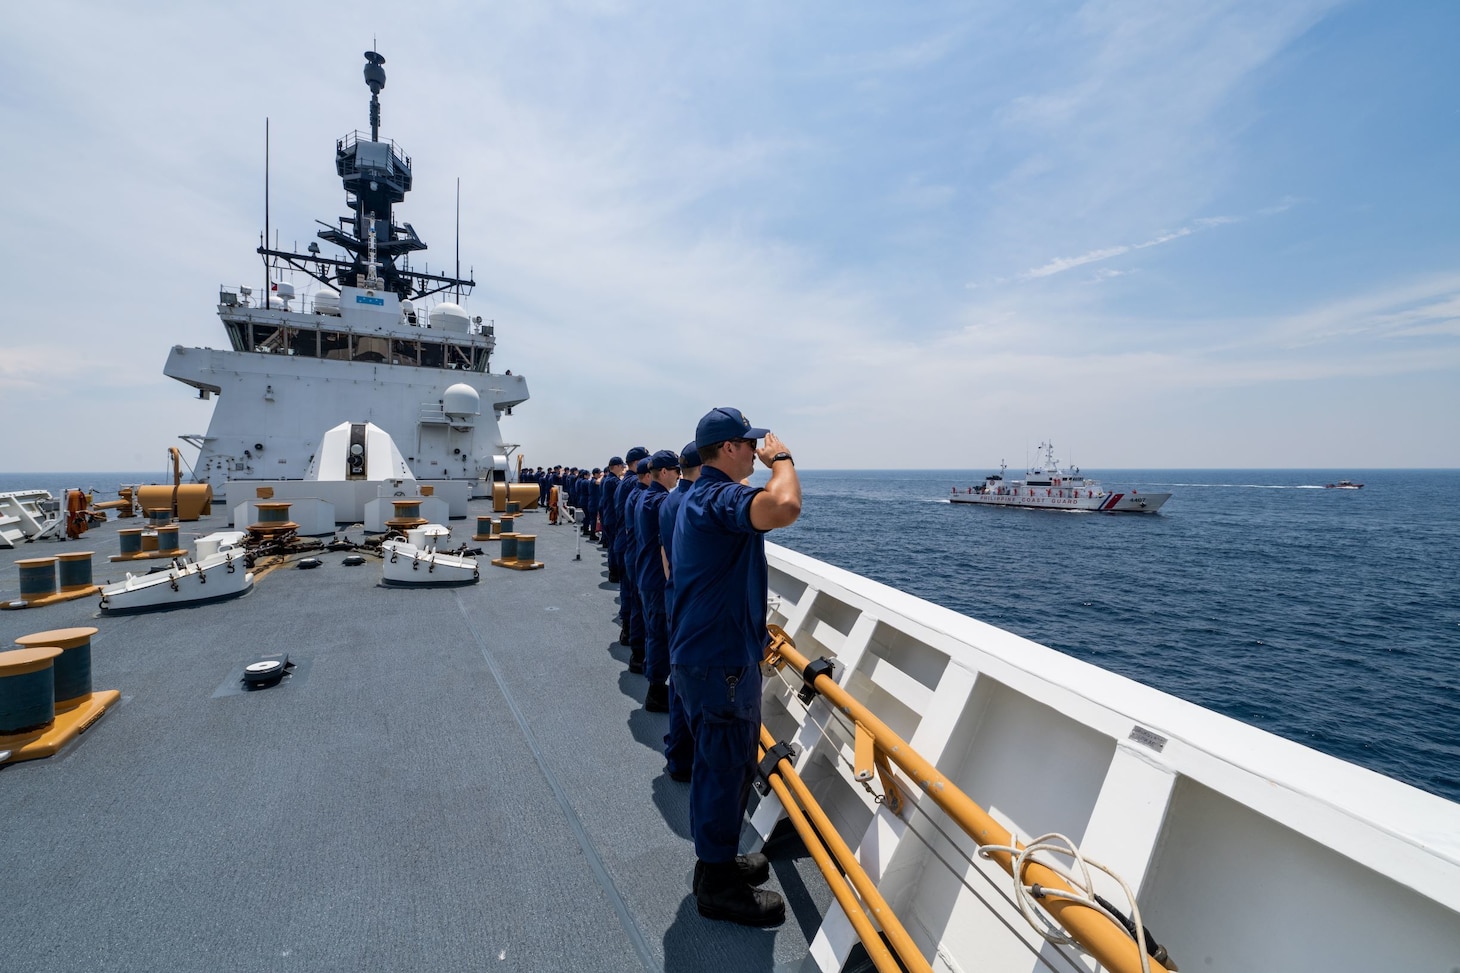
(1026, 895)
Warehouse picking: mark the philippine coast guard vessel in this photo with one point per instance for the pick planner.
(1047, 487)
(365, 345)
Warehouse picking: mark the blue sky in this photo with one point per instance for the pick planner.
(918, 235)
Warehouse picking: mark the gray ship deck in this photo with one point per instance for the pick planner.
(451, 779)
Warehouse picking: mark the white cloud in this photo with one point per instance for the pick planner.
(1426, 306)
(1060, 264)
(673, 209)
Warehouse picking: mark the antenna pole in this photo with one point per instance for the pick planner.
(264, 297)
(375, 79)
(458, 239)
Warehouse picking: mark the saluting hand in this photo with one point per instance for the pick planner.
(771, 446)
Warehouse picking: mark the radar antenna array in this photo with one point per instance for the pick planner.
(376, 175)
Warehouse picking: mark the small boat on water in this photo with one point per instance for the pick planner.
(1343, 485)
(217, 570)
(1048, 487)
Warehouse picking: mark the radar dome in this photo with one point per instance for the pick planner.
(450, 317)
(461, 401)
(327, 301)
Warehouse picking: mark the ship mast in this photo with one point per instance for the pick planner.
(375, 79)
(376, 175)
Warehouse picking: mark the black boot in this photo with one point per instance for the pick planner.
(612, 575)
(754, 868)
(636, 659)
(724, 894)
(623, 633)
(656, 698)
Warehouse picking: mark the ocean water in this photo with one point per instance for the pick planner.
(1330, 617)
(103, 485)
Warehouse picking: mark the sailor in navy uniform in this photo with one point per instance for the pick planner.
(631, 631)
(591, 494)
(579, 493)
(632, 547)
(607, 511)
(663, 477)
(679, 746)
(716, 647)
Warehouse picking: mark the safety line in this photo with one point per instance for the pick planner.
(590, 851)
(916, 810)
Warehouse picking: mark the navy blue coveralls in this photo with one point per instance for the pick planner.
(607, 500)
(650, 569)
(715, 650)
(628, 484)
(590, 505)
(630, 494)
(679, 746)
(623, 527)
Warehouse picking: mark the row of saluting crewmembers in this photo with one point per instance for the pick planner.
(685, 541)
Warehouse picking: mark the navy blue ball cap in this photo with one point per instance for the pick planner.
(596, 471)
(615, 461)
(636, 454)
(689, 456)
(665, 459)
(723, 425)
(643, 466)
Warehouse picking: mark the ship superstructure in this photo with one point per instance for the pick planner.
(365, 344)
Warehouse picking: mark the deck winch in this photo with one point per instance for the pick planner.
(273, 520)
(46, 699)
(519, 552)
(38, 579)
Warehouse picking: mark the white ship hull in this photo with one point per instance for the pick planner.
(1085, 502)
(1048, 487)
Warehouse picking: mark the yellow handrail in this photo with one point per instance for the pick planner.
(1110, 943)
(876, 949)
(907, 950)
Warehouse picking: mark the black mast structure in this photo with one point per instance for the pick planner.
(376, 176)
